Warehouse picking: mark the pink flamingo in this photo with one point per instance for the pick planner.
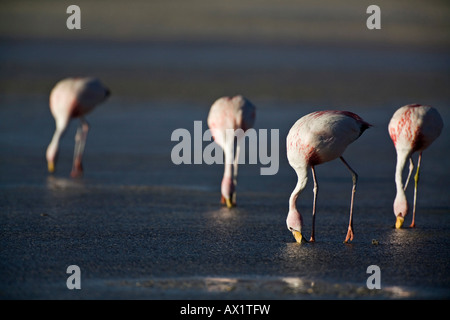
(412, 129)
(230, 114)
(73, 98)
(314, 139)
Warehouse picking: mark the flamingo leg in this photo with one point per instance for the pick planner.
(80, 142)
(315, 190)
(350, 223)
(416, 184)
(235, 172)
(411, 167)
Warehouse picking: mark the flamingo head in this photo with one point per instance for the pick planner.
(294, 223)
(400, 209)
(228, 192)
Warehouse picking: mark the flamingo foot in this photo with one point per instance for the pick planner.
(77, 170)
(76, 173)
(349, 236)
(413, 225)
(312, 239)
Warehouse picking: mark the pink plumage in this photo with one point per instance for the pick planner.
(230, 113)
(412, 129)
(316, 138)
(73, 98)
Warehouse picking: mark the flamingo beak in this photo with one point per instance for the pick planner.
(298, 237)
(51, 166)
(399, 222)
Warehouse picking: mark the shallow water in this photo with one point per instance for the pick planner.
(139, 226)
(163, 242)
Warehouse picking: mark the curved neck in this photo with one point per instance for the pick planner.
(229, 160)
(52, 148)
(402, 157)
(302, 179)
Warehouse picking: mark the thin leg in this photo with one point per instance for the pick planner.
(316, 189)
(235, 172)
(416, 184)
(350, 223)
(411, 167)
(80, 142)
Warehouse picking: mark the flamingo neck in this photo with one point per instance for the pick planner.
(227, 186)
(402, 157)
(302, 179)
(229, 159)
(400, 202)
(52, 148)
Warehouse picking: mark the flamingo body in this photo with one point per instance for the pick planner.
(73, 98)
(412, 128)
(316, 138)
(230, 113)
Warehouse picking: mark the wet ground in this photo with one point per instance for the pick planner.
(140, 227)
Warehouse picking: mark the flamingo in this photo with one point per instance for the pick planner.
(412, 129)
(73, 98)
(316, 138)
(230, 113)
